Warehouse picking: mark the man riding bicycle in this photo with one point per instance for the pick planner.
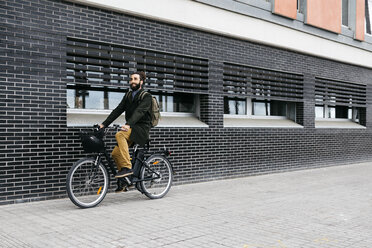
(137, 126)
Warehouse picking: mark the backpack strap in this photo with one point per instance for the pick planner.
(127, 95)
(142, 95)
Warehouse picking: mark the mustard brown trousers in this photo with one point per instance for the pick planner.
(120, 154)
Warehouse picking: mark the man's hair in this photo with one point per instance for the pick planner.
(142, 75)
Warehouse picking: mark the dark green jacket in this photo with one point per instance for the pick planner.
(137, 115)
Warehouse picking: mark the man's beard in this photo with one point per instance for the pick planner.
(135, 87)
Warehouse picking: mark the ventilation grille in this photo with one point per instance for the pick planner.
(91, 62)
(258, 83)
(333, 92)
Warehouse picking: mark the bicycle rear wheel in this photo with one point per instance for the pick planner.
(87, 184)
(157, 177)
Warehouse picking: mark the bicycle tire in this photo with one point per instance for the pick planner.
(139, 187)
(85, 188)
(157, 187)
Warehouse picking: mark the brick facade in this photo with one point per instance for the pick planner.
(37, 148)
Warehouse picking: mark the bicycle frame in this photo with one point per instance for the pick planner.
(111, 165)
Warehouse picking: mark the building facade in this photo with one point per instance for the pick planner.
(245, 87)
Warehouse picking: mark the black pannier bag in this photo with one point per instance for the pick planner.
(92, 142)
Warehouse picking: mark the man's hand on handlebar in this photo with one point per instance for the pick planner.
(125, 128)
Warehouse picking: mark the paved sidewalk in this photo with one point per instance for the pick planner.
(330, 207)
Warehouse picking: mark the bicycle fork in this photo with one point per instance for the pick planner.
(95, 169)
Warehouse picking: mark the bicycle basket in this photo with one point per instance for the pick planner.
(91, 143)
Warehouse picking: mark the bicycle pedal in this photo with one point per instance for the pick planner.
(127, 180)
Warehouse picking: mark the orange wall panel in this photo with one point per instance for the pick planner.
(287, 8)
(359, 25)
(325, 14)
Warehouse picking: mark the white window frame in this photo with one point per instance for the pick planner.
(248, 105)
(326, 110)
(328, 122)
(250, 120)
(89, 117)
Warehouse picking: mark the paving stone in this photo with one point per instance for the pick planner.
(328, 207)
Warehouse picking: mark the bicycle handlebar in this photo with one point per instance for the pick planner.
(105, 130)
(114, 126)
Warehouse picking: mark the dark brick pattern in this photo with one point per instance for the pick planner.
(37, 148)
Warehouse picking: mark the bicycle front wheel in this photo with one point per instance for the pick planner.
(87, 184)
(157, 177)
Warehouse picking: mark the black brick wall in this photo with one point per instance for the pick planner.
(37, 148)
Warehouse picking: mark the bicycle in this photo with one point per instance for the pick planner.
(88, 180)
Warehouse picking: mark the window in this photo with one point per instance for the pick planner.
(261, 93)
(368, 13)
(177, 102)
(113, 99)
(235, 106)
(339, 100)
(103, 98)
(272, 108)
(98, 77)
(345, 12)
(337, 112)
(85, 99)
